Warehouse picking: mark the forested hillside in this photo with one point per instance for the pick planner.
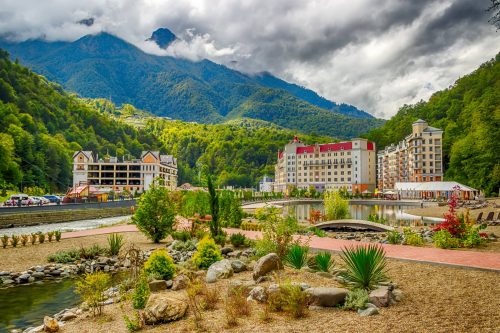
(41, 126)
(469, 114)
(105, 66)
(237, 153)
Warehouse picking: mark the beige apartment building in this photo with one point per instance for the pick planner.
(350, 165)
(418, 158)
(124, 174)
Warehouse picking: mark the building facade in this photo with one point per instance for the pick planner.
(132, 174)
(418, 158)
(350, 165)
(266, 184)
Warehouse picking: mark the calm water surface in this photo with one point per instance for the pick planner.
(394, 214)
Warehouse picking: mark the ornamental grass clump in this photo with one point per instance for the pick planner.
(5, 241)
(297, 256)
(289, 298)
(322, 262)
(394, 237)
(33, 238)
(412, 238)
(91, 288)
(365, 266)
(160, 264)
(182, 236)
(115, 243)
(50, 236)
(14, 240)
(207, 253)
(58, 235)
(24, 239)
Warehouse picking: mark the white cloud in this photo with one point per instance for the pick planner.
(377, 55)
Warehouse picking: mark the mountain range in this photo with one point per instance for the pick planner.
(105, 66)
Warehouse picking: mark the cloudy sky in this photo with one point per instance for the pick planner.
(374, 54)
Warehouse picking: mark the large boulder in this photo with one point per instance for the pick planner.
(326, 296)
(265, 265)
(381, 296)
(238, 266)
(157, 285)
(162, 308)
(219, 270)
(258, 294)
(50, 324)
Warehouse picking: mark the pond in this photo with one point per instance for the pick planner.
(26, 305)
(394, 214)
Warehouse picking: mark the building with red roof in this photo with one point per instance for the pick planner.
(349, 165)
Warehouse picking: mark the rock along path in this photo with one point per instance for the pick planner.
(458, 258)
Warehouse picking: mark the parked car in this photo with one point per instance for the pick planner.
(44, 200)
(35, 200)
(14, 199)
(52, 198)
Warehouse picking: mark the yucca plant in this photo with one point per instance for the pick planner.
(50, 236)
(296, 256)
(24, 239)
(365, 265)
(322, 262)
(58, 235)
(14, 240)
(5, 241)
(33, 238)
(115, 242)
(41, 238)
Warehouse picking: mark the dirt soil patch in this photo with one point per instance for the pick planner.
(436, 299)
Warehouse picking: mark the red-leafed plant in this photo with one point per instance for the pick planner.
(314, 216)
(452, 223)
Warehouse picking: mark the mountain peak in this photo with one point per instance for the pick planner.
(162, 37)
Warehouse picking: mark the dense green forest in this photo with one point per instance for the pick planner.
(41, 126)
(105, 66)
(238, 152)
(469, 114)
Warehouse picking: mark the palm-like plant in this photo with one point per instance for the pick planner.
(322, 262)
(296, 256)
(365, 265)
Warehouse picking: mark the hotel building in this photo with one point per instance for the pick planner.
(349, 165)
(118, 175)
(418, 158)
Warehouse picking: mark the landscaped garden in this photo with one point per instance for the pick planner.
(183, 272)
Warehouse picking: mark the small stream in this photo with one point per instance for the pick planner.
(26, 305)
(67, 226)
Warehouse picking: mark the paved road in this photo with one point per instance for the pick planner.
(465, 259)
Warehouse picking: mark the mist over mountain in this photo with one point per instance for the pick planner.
(104, 65)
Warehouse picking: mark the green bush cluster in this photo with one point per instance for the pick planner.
(188, 245)
(91, 288)
(238, 239)
(322, 262)
(160, 265)
(356, 299)
(365, 266)
(444, 240)
(296, 256)
(412, 238)
(141, 292)
(394, 237)
(289, 298)
(206, 253)
(182, 235)
(252, 226)
(64, 257)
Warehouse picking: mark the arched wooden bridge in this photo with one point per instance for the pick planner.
(354, 224)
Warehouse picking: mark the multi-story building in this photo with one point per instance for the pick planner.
(125, 174)
(349, 165)
(418, 158)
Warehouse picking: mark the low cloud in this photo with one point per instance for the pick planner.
(377, 55)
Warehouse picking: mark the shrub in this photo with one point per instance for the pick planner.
(134, 324)
(377, 219)
(14, 240)
(394, 237)
(64, 257)
(322, 262)
(50, 236)
(443, 239)
(207, 253)
(5, 241)
(412, 238)
(115, 243)
(24, 239)
(155, 213)
(236, 297)
(238, 239)
(92, 252)
(58, 235)
(210, 297)
(182, 236)
(289, 298)
(278, 234)
(41, 238)
(252, 226)
(193, 291)
(297, 256)
(317, 231)
(356, 299)
(91, 289)
(264, 246)
(33, 238)
(471, 237)
(336, 208)
(188, 245)
(365, 265)
(220, 239)
(160, 264)
(141, 292)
